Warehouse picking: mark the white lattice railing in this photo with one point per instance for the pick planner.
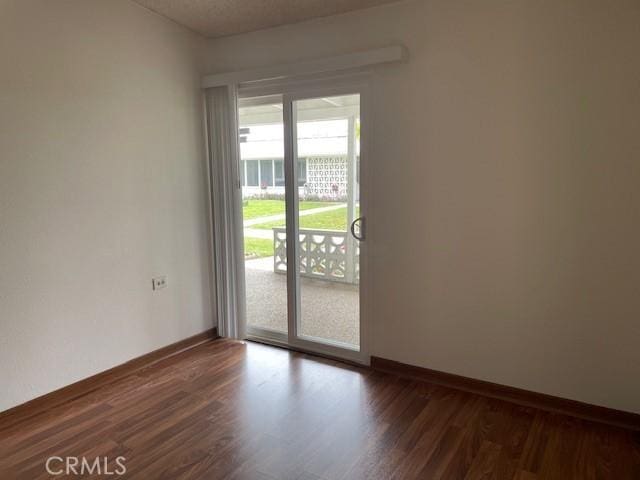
(324, 254)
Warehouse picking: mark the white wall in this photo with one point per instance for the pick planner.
(511, 143)
(102, 186)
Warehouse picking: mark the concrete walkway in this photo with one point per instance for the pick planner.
(258, 233)
(330, 310)
(282, 216)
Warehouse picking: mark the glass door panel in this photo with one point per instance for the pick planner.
(261, 141)
(327, 150)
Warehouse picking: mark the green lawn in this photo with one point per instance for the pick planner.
(254, 208)
(332, 220)
(258, 247)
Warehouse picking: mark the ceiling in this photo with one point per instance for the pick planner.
(217, 18)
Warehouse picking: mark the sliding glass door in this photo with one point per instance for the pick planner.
(300, 176)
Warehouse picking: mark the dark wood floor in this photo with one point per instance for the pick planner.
(249, 411)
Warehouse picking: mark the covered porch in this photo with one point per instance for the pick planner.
(330, 310)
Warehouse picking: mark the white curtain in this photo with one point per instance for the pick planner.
(222, 128)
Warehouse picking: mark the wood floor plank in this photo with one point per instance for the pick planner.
(524, 475)
(236, 410)
(484, 464)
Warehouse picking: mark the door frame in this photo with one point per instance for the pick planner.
(292, 91)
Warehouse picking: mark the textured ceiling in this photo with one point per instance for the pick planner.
(216, 18)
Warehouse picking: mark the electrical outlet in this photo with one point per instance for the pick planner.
(159, 282)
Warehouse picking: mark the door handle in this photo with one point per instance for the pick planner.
(360, 237)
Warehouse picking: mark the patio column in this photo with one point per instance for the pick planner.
(351, 199)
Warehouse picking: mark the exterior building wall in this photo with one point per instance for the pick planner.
(326, 178)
